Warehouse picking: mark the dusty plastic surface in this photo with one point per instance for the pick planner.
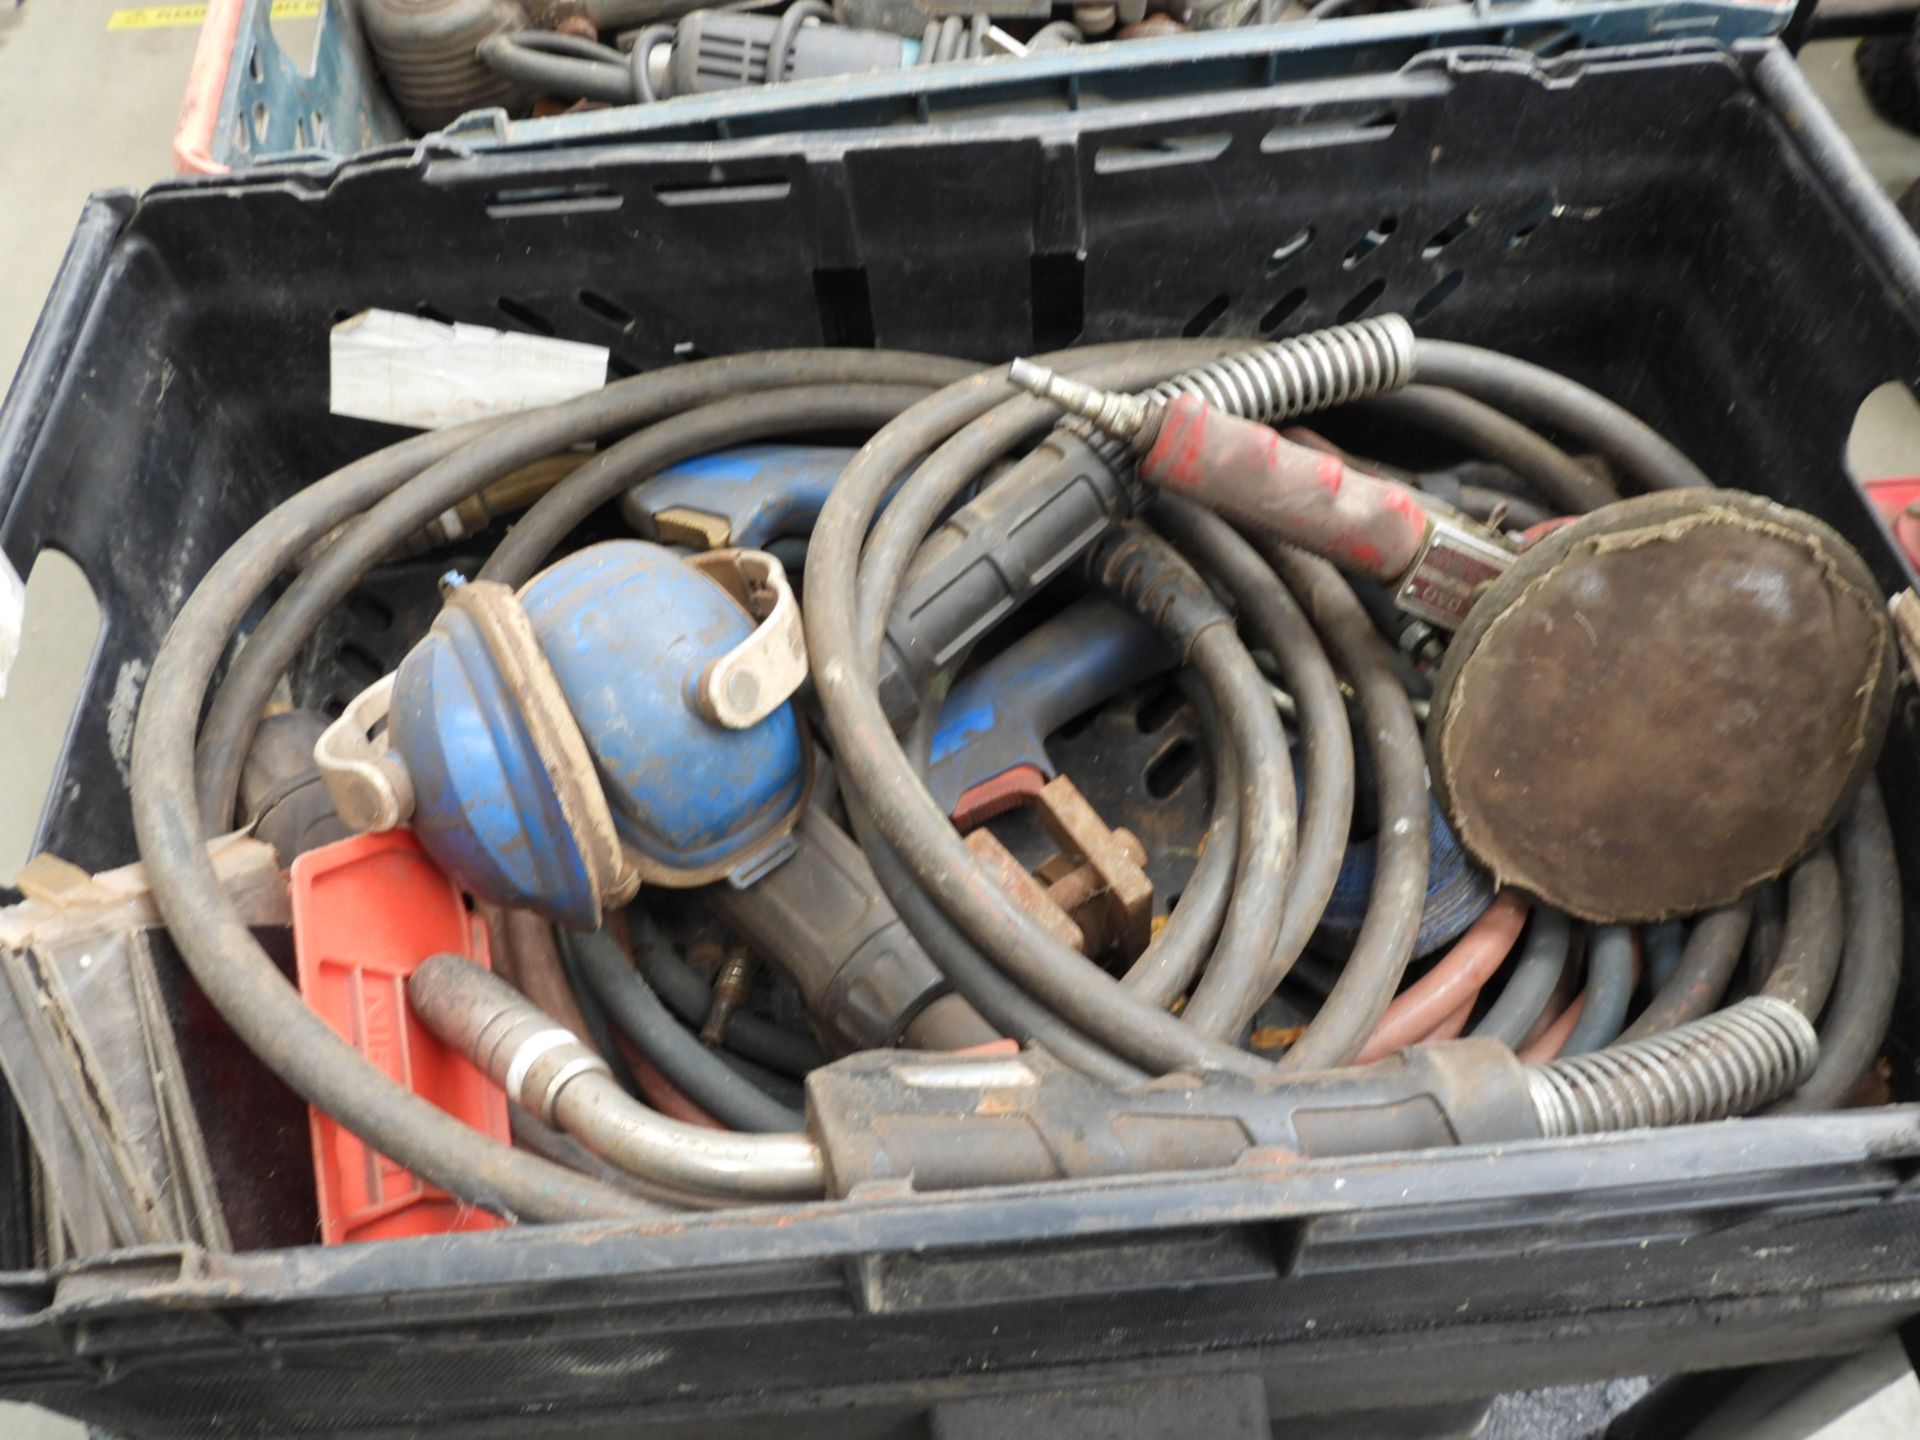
(1665, 225)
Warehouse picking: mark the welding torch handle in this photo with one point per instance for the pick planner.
(990, 557)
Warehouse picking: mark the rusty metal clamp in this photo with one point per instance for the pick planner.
(1094, 895)
(760, 674)
(369, 785)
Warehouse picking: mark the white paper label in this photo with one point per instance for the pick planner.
(407, 371)
(13, 615)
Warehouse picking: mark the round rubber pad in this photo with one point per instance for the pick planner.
(1662, 704)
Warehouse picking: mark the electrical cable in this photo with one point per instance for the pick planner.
(1456, 978)
(1274, 621)
(410, 493)
(1768, 931)
(1860, 1007)
(609, 78)
(1812, 933)
(949, 425)
(687, 995)
(786, 30)
(1492, 435)
(1610, 977)
(869, 753)
(170, 816)
(1529, 990)
(1402, 850)
(700, 1072)
(1665, 943)
(1712, 954)
(1174, 956)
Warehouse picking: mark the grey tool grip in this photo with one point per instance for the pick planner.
(724, 50)
(822, 918)
(990, 558)
(956, 1122)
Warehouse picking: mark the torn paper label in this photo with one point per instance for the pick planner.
(13, 615)
(407, 371)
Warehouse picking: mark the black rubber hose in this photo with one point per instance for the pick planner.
(563, 76)
(873, 763)
(1378, 961)
(555, 42)
(1767, 934)
(600, 1032)
(738, 420)
(1706, 969)
(644, 1019)
(257, 668)
(1273, 620)
(1609, 990)
(1174, 956)
(1244, 968)
(1861, 1006)
(618, 15)
(786, 30)
(1536, 974)
(1003, 1004)
(1665, 944)
(1180, 948)
(1491, 435)
(1524, 998)
(980, 429)
(920, 502)
(1530, 392)
(688, 996)
(459, 470)
(1815, 930)
(237, 976)
(641, 50)
(1483, 504)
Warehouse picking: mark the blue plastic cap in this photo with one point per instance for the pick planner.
(483, 806)
(627, 628)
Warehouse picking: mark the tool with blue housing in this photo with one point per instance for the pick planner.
(990, 754)
(747, 497)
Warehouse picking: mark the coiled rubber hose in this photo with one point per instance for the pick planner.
(949, 425)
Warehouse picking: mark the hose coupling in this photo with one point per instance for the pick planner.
(732, 983)
(517, 1045)
(1128, 418)
(1300, 375)
(1726, 1064)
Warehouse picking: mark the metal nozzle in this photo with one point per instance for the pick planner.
(731, 986)
(1118, 414)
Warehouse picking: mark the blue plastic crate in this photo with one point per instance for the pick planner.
(249, 103)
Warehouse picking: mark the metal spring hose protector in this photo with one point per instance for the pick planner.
(1296, 376)
(1725, 1064)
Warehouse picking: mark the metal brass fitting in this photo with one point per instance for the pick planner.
(1125, 417)
(732, 983)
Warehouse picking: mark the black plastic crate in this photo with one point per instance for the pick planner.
(1677, 227)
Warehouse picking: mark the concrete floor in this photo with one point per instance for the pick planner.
(113, 95)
